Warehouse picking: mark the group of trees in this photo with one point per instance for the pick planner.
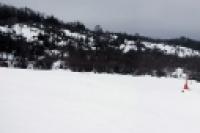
(98, 51)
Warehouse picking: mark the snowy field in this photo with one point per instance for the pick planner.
(66, 102)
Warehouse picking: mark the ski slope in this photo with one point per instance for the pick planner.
(60, 101)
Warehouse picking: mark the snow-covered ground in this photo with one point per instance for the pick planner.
(67, 102)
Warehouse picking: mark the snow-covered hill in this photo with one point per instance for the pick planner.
(62, 101)
(31, 34)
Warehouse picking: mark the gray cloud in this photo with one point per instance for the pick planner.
(156, 18)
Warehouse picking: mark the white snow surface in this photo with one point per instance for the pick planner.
(67, 102)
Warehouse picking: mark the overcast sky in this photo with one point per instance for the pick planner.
(155, 18)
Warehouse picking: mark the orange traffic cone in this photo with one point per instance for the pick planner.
(185, 87)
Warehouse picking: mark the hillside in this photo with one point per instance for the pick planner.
(32, 40)
(63, 101)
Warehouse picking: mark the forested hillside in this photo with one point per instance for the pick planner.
(29, 39)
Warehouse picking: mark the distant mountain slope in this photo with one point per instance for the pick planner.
(29, 39)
